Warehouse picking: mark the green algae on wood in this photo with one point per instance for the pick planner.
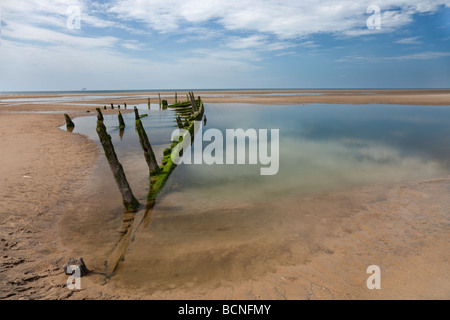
(180, 123)
(136, 114)
(158, 180)
(180, 104)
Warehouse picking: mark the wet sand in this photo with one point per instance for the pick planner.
(319, 248)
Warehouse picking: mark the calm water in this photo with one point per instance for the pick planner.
(209, 217)
(327, 147)
(322, 147)
(82, 99)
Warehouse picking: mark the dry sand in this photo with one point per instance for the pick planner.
(45, 172)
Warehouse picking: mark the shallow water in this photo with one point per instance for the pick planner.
(88, 99)
(223, 222)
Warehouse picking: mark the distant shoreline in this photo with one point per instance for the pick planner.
(89, 101)
(243, 90)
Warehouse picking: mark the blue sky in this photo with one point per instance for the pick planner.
(212, 44)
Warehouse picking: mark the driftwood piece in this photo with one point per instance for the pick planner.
(130, 203)
(146, 146)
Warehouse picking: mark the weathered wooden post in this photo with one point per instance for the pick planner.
(119, 106)
(121, 122)
(99, 115)
(79, 263)
(130, 203)
(104, 107)
(125, 106)
(193, 102)
(69, 122)
(112, 106)
(136, 114)
(164, 104)
(176, 98)
(148, 103)
(159, 96)
(180, 123)
(146, 146)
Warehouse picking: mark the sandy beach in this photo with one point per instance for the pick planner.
(46, 174)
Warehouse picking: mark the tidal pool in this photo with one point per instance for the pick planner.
(221, 222)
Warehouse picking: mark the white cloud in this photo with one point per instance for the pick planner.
(232, 37)
(247, 42)
(21, 31)
(428, 55)
(284, 18)
(410, 40)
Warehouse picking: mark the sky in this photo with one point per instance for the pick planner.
(50, 45)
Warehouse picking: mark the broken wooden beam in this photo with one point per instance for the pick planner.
(121, 122)
(69, 122)
(180, 123)
(146, 146)
(99, 115)
(193, 102)
(130, 203)
(136, 114)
